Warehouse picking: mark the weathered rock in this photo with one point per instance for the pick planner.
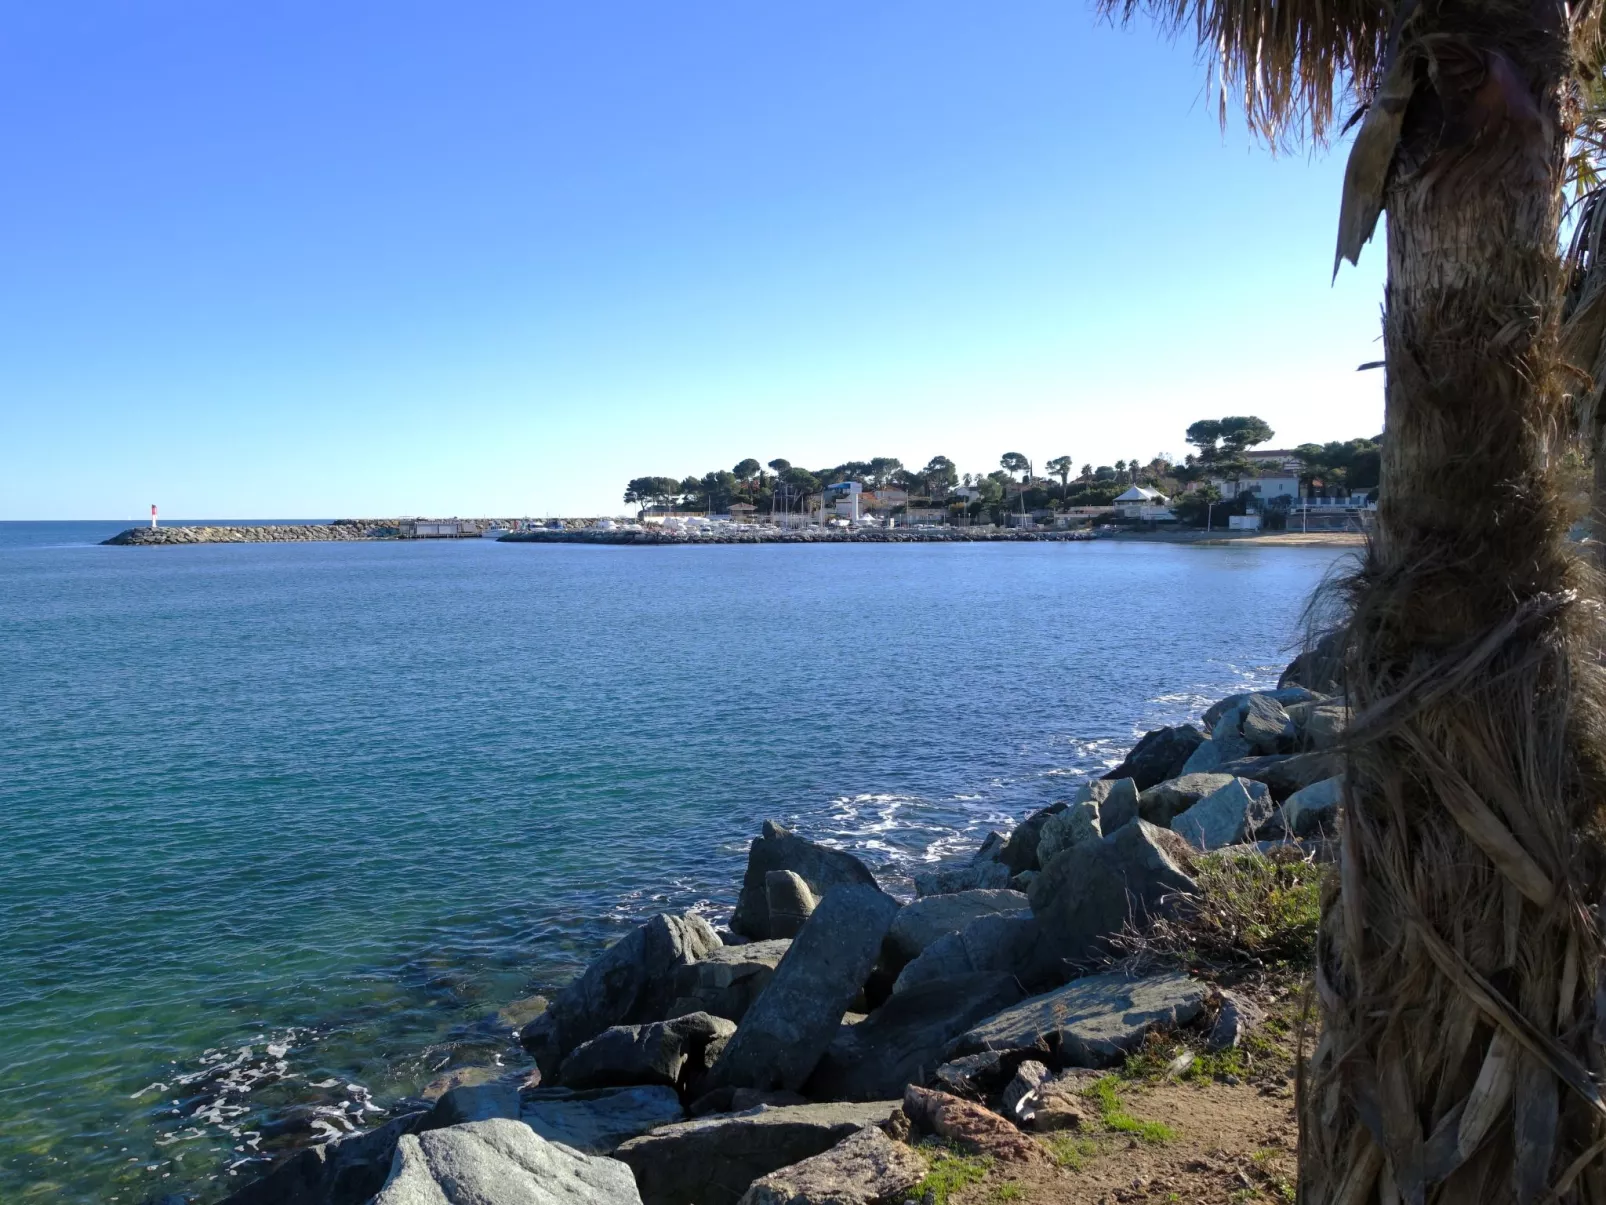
(1208, 756)
(1227, 816)
(1090, 1022)
(904, 1040)
(946, 880)
(727, 981)
(521, 1012)
(1266, 726)
(992, 849)
(474, 1102)
(1313, 810)
(598, 1119)
(1020, 852)
(969, 1126)
(795, 1018)
(1077, 824)
(1236, 1020)
(779, 849)
(501, 1162)
(1160, 755)
(672, 1052)
(1319, 668)
(630, 982)
(713, 1160)
(1019, 1095)
(1118, 803)
(1092, 890)
(1058, 1104)
(1284, 695)
(866, 1168)
(790, 902)
(973, 1075)
(1006, 944)
(459, 1077)
(1324, 725)
(1164, 802)
(345, 1171)
(1285, 774)
(924, 921)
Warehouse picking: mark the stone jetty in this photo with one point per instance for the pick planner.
(758, 534)
(833, 1041)
(262, 533)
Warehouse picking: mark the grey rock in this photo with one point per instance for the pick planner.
(713, 1160)
(599, 1119)
(672, 1052)
(973, 1076)
(1285, 774)
(1227, 816)
(924, 921)
(1313, 810)
(866, 1168)
(727, 981)
(630, 982)
(1119, 806)
(1324, 725)
(1163, 803)
(946, 880)
(904, 1041)
(1209, 755)
(476, 1102)
(1077, 824)
(1093, 890)
(1318, 668)
(1236, 1020)
(795, 1018)
(779, 849)
(501, 1162)
(1006, 943)
(1020, 852)
(1284, 695)
(1228, 738)
(1090, 1022)
(1017, 1098)
(1266, 726)
(992, 849)
(1160, 755)
(740, 1100)
(790, 902)
(345, 1171)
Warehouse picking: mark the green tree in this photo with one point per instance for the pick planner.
(939, 476)
(1120, 472)
(746, 470)
(779, 466)
(881, 468)
(1460, 946)
(1086, 474)
(1061, 467)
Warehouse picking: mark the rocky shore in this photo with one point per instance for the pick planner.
(263, 533)
(804, 535)
(834, 1045)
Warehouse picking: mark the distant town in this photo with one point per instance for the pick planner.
(1228, 481)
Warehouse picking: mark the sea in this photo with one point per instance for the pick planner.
(283, 827)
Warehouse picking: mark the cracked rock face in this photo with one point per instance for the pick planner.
(867, 1168)
(501, 1162)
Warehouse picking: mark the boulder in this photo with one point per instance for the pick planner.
(739, 1100)
(1058, 1104)
(1229, 815)
(972, 1128)
(946, 880)
(630, 982)
(796, 1016)
(1235, 1021)
(713, 1160)
(1162, 803)
(973, 1075)
(473, 1102)
(1285, 774)
(727, 981)
(992, 849)
(344, 1171)
(501, 1162)
(1160, 755)
(1283, 695)
(1094, 889)
(866, 1168)
(1020, 1094)
(598, 1119)
(779, 849)
(1266, 726)
(1318, 668)
(924, 921)
(1076, 824)
(1090, 1022)
(1007, 944)
(1118, 802)
(1020, 851)
(1313, 810)
(1324, 724)
(903, 1041)
(790, 902)
(672, 1052)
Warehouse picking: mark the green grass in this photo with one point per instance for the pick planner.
(1069, 1151)
(1105, 1093)
(1008, 1192)
(949, 1171)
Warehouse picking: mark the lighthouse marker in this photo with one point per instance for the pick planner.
(153, 514)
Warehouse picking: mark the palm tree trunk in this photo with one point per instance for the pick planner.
(1460, 953)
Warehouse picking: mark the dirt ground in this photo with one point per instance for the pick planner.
(1231, 1144)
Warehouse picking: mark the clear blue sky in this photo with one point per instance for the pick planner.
(300, 258)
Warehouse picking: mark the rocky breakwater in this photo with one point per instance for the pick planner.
(801, 1054)
(808, 535)
(262, 533)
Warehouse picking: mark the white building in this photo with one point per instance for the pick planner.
(1268, 484)
(1140, 502)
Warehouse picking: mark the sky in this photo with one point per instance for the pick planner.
(295, 259)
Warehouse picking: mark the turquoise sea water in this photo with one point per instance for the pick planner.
(284, 825)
